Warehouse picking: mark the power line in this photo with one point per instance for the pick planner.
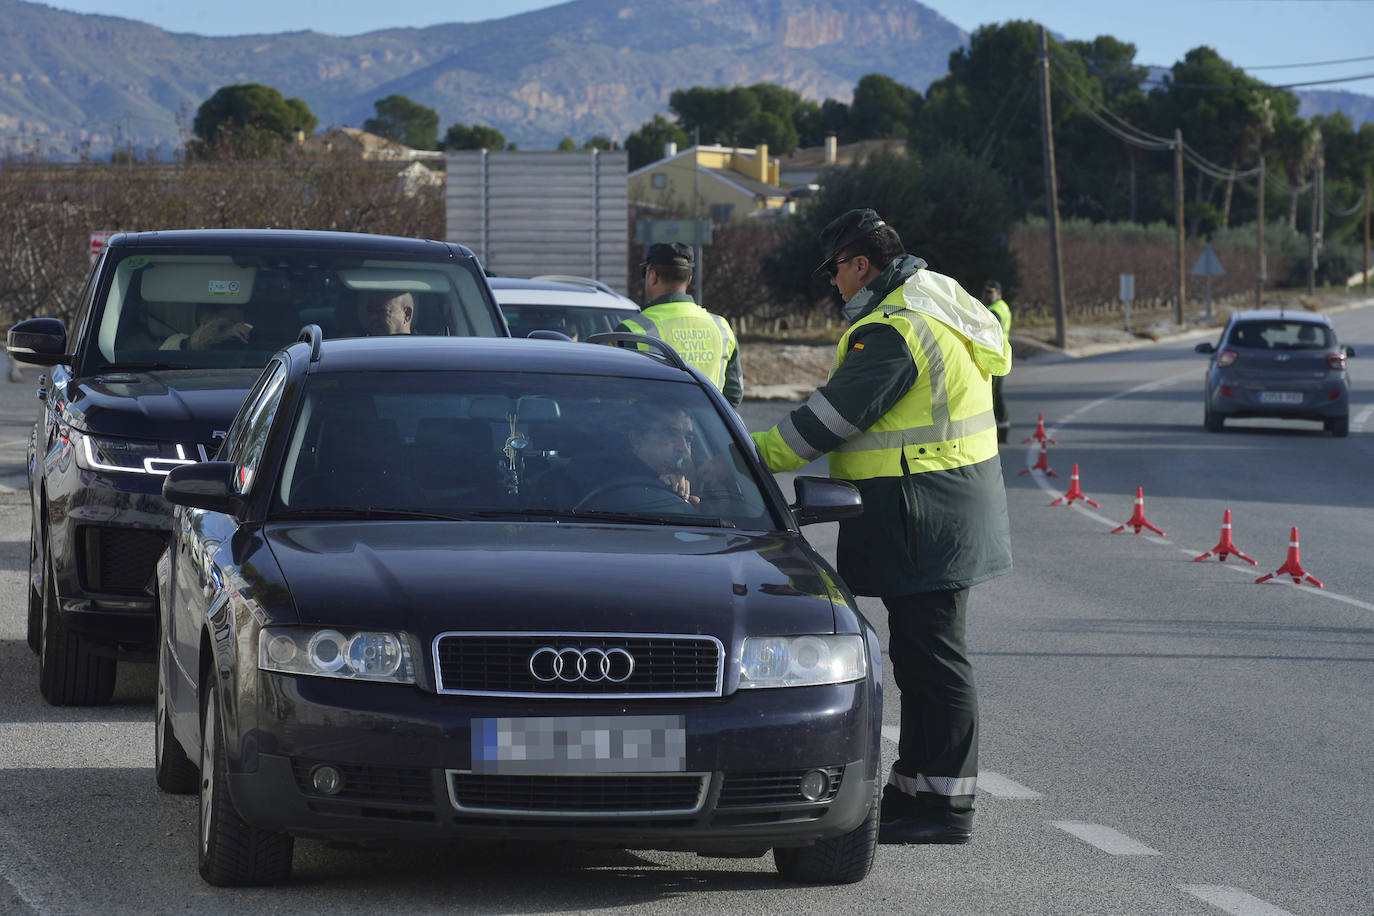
(1212, 87)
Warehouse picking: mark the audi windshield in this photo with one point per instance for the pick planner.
(502, 446)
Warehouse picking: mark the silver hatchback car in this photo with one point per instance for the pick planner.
(1277, 363)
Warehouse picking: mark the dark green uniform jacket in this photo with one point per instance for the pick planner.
(702, 338)
(922, 529)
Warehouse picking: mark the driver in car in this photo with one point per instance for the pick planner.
(216, 326)
(664, 446)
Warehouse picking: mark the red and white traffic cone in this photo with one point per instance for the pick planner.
(1074, 492)
(1225, 547)
(1039, 434)
(1041, 464)
(1292, 565)
(1137, 519)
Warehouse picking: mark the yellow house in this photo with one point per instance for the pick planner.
(730, 184)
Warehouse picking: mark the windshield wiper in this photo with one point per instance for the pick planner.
(363, 513)
(571, 515)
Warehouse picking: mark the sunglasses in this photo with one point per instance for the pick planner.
(833, 268)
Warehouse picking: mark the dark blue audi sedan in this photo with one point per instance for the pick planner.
(515, 589)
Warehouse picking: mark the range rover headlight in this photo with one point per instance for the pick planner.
(363, 655)
(802, 661)
(131, 456)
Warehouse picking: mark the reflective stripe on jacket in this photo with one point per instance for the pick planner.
(944, 420)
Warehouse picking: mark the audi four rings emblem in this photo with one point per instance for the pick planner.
(591, 665)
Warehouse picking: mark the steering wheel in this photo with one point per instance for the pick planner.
(633, 482)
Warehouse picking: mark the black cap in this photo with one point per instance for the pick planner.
(992, 286)
(845, 230)
(669, 254)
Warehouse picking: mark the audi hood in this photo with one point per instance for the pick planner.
(431, 576)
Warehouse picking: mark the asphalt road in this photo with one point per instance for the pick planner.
(1158, 735)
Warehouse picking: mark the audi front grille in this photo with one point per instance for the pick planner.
(578, 665)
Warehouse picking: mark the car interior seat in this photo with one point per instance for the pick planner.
(457, 456)
(360, 463)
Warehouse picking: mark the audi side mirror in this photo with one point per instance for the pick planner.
(204, 485)
(823, 499)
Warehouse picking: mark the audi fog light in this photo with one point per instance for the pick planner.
(367, 655)
(802, 661)
(326, 780)
(814, 785)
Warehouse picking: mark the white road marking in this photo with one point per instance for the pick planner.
(1112, 842)
(1362, 418)
(999, 786)
(33, 880)
(75, 745)
(1233, 900)
(1057, 487)
(994, 784)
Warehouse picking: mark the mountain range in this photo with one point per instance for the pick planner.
(576, 69)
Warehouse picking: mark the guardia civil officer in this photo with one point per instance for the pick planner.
(703, 339)
(992, 298)
(907, 417)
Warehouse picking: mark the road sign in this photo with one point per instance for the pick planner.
(98, 239)
(1207, 264)
(1126, 293)
(687, 231)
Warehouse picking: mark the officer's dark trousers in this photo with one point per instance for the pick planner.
(937, 762)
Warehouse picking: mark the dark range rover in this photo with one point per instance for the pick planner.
(170, 332)
(509, 590)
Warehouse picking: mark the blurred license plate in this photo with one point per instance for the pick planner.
(1280, 397)
(579, 745)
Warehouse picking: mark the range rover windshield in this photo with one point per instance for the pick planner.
(197, 309)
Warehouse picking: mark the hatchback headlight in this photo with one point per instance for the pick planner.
(802, 661)
(362, 655)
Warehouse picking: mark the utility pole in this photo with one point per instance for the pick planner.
(696, 209)
(1366, 236)
(1178, 223)
(1051, 191)
(1312, 229)
(1259, 242)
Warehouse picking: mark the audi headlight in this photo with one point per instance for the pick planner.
(360, 655)
(802, 661)
(131, 456)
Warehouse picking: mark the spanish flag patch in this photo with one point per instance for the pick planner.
(858, 346)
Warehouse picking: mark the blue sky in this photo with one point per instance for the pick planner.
(1256, 34)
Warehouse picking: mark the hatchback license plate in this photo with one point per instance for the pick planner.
(579, 745)
(1280, 397)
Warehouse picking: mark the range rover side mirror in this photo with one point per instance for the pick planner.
(41, 341)
(824, 499)
(204, 485)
